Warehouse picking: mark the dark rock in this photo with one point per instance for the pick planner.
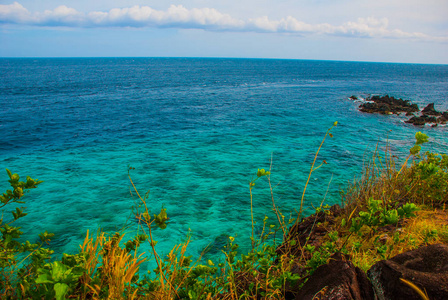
(353, 97)
(426, 267)
(408, 114)
(429, 110)
(444, 118)
(310, 231)
(422, 120)
(387, 105)
(416, 121)
(429, 115)
(339, 279)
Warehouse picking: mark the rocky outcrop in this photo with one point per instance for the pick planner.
(426, 267)
(429, 115)
(429, 110)
(444, 118)
(421, 120)
(387, 105)
(339, 279)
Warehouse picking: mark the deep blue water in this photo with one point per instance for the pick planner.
(196, 130)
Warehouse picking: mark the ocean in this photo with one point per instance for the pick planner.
(196, 130)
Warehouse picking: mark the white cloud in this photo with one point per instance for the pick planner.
(177, 16)
(14, 13)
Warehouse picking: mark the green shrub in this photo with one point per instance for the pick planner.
(19, 261)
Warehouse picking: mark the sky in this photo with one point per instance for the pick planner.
(407, 31)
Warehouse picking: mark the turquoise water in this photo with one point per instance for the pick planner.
(196, 131)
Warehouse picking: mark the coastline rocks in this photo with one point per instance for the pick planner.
(387, 105)
(339, 279)
(426, 267)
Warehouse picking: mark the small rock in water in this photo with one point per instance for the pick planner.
(429, 110)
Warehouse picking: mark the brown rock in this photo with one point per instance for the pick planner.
(426, 267)
(309, 230)
(339, 279)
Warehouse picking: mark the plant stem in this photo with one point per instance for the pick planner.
(311, 171)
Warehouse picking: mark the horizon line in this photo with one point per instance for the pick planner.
(217, 57)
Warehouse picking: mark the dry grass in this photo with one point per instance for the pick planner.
(427, 228)
(114, 266)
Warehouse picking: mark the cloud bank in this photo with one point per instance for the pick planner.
(177, 16)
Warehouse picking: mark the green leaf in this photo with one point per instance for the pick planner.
(391, 217)
(357, 223)
(262, 172)
(45, 237)
(415, 150)
(192, 294)
(59, 271)
(18, 213)
(374, 205)
(421, 138)
(407, 210)
(161, 218)
(310, 248)
(43, 278)
(61, 290)
(333, 236)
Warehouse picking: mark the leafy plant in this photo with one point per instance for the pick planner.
(57, 279)
(19, 261)
(430, 179)
(378, 214)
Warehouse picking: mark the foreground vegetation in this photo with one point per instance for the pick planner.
(389, 210)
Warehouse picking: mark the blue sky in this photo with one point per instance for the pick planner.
(414, 31)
